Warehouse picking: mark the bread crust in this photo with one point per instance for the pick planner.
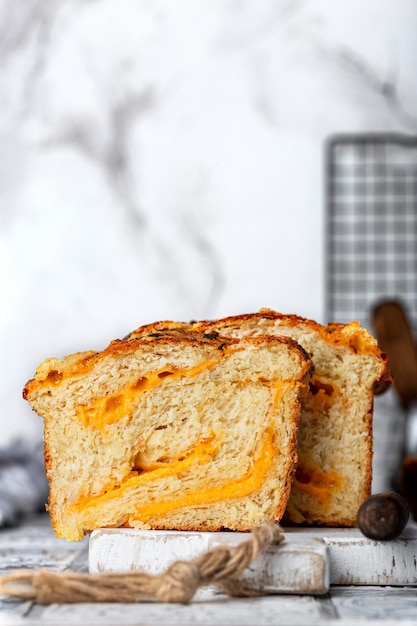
(349, 335)
(52, 370)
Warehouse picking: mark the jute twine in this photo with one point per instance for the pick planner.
(221, 567)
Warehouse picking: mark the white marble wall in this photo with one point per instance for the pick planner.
(164, 159)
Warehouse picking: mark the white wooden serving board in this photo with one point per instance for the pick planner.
(357, 560)
(307, 562)
(300, 565)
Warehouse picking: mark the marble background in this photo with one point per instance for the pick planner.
(164, 159)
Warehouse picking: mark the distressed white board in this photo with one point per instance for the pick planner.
(357, 560)
(308, 561)
(299, 565)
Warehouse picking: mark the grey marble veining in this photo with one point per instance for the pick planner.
(165, 160)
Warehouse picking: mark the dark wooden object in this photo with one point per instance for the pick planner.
(383, 516)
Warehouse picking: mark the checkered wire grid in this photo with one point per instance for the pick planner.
(371, 225)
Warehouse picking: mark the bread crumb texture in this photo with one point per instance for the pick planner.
(174, 427)
(334, 472)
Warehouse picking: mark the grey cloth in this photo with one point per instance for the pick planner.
(23, 483)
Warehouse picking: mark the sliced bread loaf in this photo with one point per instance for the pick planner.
(174, 429)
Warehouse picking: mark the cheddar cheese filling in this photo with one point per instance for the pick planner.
(201, 454)
(313, 481)
(112, 407)
(248, 483)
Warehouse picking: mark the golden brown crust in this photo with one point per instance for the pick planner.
(51, 371)
(57, 367)
(351, 335)
(157, 327)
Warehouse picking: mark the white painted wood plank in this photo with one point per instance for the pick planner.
(33, 545)
(292, 567)
(218, 610)
(375, 603)
(357, 560)
(353, 558)
(356, 606)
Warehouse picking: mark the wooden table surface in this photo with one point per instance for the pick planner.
(32, 545)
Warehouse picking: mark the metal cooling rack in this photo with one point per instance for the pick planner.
(371, 225)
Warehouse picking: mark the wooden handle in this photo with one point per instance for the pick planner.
(383, 516)
(395, 337)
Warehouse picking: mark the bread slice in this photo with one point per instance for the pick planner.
(171, 429)
(334, 470)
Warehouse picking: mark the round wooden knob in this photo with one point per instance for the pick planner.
(383, 516)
